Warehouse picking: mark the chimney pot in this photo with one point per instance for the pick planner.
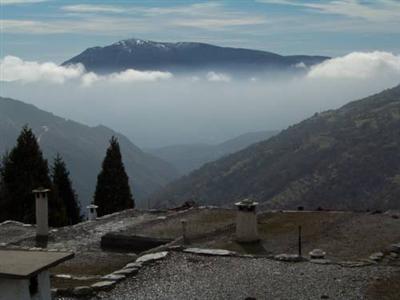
(42, 211)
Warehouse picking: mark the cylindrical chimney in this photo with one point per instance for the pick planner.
(42, 212)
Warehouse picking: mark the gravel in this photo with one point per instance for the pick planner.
(189, 276)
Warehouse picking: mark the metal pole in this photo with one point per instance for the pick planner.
(300, 241)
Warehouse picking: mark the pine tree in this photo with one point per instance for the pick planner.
(112, 190)
(25, 169)
(63, 188)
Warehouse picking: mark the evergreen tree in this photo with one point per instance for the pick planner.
(112, 190)
(25, 169)
(3, 203)
(63, 188)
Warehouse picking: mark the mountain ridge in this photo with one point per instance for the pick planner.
(82, 147)
(184, 56)
(188, 157)
(347, 158)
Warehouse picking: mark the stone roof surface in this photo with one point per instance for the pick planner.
(190, 276)
(23, 264)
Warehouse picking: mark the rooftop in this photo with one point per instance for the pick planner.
(21, 264)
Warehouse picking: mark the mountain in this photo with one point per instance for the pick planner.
(347, 158)
(83, 149)
(183, 56)
(186, 158)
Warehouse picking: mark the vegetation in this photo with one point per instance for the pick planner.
(340, 159)
(63, 188)
(112, 190)
(23, 170)
(82, 148)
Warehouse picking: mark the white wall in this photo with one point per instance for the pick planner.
(14, 289)
(18, 289)
(246, 226)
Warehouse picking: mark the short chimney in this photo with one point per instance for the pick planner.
(92, 212)
(246, 221)
(42, 212)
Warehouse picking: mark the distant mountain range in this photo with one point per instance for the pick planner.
(185, 56)
(83, 149)
(186, 158)
(339, 159)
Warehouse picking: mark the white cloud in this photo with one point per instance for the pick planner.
(358, 65)
(15, 69)
(94, 25)
(89, 8)
(127, 76)
(212, 23)
(97, 19)
(29, 26)
(355, 66)
(378, 10)
(213, 76)
(134, 75)
(11, 2)
(89, 78)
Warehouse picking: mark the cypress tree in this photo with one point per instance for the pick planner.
(112, 190)
(3, 204)
(63, 188)
(25, 169)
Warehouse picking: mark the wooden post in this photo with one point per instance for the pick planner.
(184, 234)
(300, 241)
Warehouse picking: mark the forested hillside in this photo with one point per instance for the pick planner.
(339, 159)
(83, 149)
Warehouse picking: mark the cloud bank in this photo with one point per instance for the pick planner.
(156, 108)
(358, 65)
(213, 76)
(15, 69)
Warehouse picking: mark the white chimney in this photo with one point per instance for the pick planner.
(42, 212)
(246, 221)
(92, 212)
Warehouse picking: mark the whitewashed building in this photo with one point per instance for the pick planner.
(24, 275)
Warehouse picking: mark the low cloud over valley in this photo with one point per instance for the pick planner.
(156, 108)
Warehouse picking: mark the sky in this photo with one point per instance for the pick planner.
(158, 108)
(56, 30)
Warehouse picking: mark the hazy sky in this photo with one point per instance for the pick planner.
(55, 30)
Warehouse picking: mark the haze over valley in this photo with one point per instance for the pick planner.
(161, 108)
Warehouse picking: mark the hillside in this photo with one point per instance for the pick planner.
(186, 158)
(83, 149)
(339, 159)
(183, 56)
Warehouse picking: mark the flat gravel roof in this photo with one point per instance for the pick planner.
(21, 264)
